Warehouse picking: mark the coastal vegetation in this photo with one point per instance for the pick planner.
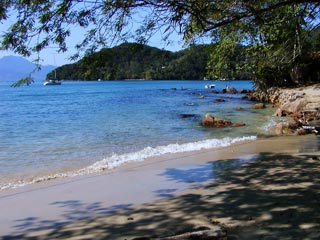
(280, 38)
(139, 61)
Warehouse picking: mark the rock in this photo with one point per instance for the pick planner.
(187, 115)
(259, 106)
(295, 100)
(231, 90)
(295, 106)
(283, 129)
(296, 116)
(219, 100)
(224, 90)
(244, 98)
(239, 124)
(293, 125)
(279, 129)
(210, 121)
(301, 131)
(258, 97)
(239, 108)
(301, 104)
(280, 113)
(287, 131)
(222, 123)
(243, 91)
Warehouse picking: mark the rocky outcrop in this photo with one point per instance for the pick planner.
(211, 121)
(301, 104)
(259, 106)
(292, 100)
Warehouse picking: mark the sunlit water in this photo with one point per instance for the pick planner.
(82, 127)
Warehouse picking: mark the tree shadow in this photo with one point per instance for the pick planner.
(204, 173)
(274, 197)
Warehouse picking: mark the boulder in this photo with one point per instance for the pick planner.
(280, 113)
(239, 124)
(211, 121)
(219, 100)
(244, 98)
(208, 120)
(187, 115)
(279, 129)
(222, 123)
(231, 90)
(243, 91)
(259, 106)
(239, 108)
(284, 128)
(301, 131)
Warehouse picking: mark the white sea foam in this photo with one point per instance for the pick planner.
(117, 160)
(266, 128)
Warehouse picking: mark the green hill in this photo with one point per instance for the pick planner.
(137, 61)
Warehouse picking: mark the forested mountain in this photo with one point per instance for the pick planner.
(137, 61)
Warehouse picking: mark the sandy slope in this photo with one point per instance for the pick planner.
(274, 197)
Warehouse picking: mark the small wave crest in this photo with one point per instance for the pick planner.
(118, 160)
(269, 125)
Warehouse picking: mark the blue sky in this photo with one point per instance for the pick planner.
(50, 56)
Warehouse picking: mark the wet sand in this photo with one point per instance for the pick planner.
(265, 189)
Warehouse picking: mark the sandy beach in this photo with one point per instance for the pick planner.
(264, 189)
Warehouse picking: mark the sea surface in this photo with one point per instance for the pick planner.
(83, 127)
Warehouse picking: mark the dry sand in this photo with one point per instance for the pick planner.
(276, 195)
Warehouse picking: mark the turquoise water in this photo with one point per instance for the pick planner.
(82, 127)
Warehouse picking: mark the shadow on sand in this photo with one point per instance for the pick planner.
(274, 197)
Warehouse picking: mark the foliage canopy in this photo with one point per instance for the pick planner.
(276, 31)
(139, 61)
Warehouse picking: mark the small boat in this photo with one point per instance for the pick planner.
(52, 82)
(210, 86)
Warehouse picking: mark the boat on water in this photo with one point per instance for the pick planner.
(52, 82)
(210, 86)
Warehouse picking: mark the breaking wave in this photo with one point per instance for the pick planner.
(118, 160)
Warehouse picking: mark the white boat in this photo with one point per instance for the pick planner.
(52, 82)
(210, 86)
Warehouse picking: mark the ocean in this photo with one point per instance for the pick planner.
(79, 128)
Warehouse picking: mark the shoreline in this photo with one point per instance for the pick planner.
(116, 161)
(125, 198)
